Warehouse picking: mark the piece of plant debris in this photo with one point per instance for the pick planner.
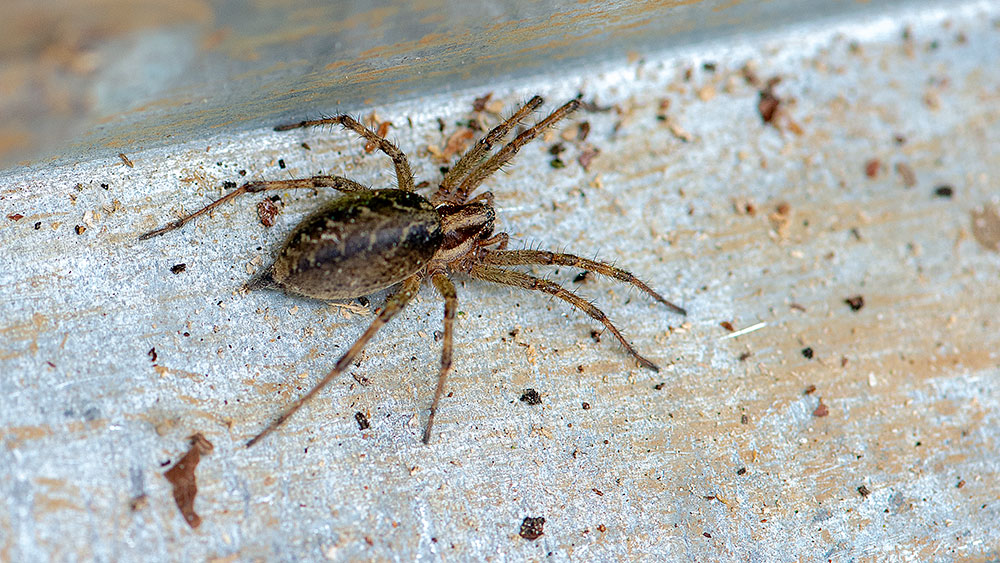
(182, 477)
(855, 302)
(267, 210)
(532, 528)
(821, 410)
(363, 423)
(531, 397)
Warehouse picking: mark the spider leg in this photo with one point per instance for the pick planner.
(393, 305)
(447, 291)
(504, 155)
(525, 281)
(502, 257)
(336, 182)
(404, 178)
(474, 155)
(499, 239)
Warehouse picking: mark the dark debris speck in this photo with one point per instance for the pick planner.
(178, 268)
(531, 397)
(944, 191)
(855, 302)
(532, 528)
(363, 423)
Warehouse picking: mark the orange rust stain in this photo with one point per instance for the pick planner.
(17, 435)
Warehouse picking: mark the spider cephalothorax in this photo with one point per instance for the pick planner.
(372, 239)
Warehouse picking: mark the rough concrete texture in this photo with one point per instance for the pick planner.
(828, 433)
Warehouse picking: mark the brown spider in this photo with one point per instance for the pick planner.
(369, 240)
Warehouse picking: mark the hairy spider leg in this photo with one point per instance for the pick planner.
(546, 258)
(525, 281)
(503, 156)
(404, 178)
(336, 182)
(393, 305)
(447, 290)
(478, 152)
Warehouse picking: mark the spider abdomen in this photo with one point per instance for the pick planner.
(360, 243)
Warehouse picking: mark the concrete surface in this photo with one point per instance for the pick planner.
(879, 444)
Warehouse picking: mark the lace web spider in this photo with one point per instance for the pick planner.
(371, 239)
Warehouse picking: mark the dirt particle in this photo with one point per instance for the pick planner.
(945, 191)
(178, 268)
(125, 160)
(659, 385)
(181, 477)
(706, 534)
(152, 354)
(267, 210)
(363, 422)
(532, 528)
(479, 104)
(587, 156)
(807, 353)
(864, 491)
(855, 302)
(986, 227)
(15, 216)
(821, 410)
(768, 102)
(38, 225)
(581, 277)
(781, 219)
(809, 390)
(907, 174)
(138, 503)
(727, 325)
(741, 471)
(586, 406)
(80, 229)
(281, 163)
(531, 397)
(744, 419)
(872, 167)
(743, 357)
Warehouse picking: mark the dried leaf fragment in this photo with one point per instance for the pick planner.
(182, 477)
